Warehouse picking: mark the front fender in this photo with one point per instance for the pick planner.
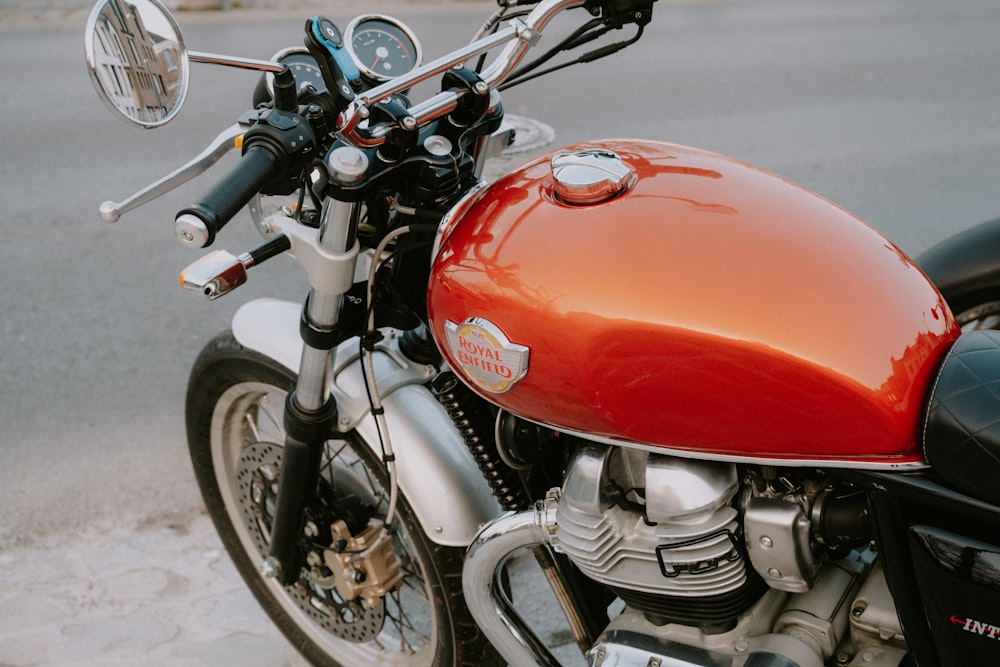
(966, 267)
(436, 472)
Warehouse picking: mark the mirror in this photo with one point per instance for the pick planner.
(137, 60)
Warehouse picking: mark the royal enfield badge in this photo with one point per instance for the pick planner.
(486, 355)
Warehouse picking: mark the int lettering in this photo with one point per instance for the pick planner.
(977, 627)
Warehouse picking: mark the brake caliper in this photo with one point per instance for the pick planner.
(363, 565)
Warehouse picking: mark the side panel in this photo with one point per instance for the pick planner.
(436, 472)
(941, 553)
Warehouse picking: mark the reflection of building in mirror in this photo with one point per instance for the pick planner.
(140, 70)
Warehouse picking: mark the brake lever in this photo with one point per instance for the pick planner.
(227, 140)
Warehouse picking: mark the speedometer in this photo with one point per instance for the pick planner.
(382, 46)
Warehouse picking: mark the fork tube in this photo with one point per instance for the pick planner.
(310, 412)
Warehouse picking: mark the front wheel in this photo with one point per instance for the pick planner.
(235, 403)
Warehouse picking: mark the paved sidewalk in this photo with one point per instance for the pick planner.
(164, 594)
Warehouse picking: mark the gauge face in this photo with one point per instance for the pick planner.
(382, 46)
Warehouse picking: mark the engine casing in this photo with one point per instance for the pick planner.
(710, 307)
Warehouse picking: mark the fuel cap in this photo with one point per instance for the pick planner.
(589, 176)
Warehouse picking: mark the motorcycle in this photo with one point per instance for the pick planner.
(712, 464)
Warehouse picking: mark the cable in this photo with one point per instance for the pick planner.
(368, 371)
(522, 76)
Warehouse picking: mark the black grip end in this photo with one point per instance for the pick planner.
(258, 165)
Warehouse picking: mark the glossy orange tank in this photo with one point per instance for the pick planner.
(709, 307)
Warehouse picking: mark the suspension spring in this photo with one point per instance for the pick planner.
(474, 419)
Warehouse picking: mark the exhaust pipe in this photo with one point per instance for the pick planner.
(488, 601)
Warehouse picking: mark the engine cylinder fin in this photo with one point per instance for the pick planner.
(713, 614)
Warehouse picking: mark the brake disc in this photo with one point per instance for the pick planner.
(257, 492)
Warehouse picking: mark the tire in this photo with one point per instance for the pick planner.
(234, 404)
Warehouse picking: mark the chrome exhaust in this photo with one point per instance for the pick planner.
(489, 602)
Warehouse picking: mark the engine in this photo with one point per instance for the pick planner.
(722, 567)
(660, 532)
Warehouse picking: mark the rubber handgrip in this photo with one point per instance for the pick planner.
(258, 165)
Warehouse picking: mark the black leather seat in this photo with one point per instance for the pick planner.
(962, 427)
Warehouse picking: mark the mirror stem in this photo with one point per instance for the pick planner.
(232, 61)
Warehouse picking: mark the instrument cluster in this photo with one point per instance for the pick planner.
(383, 47)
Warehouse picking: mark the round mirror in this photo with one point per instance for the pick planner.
(137, 60)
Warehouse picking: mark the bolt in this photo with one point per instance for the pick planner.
(857, 611)
(187, 236)
(654, 662)
(310, 529)
(360, 576)
(843, 658)
(350, 157)
(481, 87)
(766, 542)
(270, 568)
(774, 572)
(409, 122)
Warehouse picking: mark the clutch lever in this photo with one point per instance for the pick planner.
(227, 140)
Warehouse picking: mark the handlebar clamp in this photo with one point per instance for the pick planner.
(474, 95)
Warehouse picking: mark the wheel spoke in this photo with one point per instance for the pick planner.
(416, 589)
(404, 626)
(268, 409)
(253, 427)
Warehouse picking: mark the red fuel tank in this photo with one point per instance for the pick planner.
(687, 301)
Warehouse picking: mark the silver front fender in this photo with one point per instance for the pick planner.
(436, 471)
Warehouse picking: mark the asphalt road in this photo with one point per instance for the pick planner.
(890, 108)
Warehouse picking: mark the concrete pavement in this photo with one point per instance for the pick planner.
(164, 593)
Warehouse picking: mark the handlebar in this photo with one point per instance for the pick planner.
(197, 225)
